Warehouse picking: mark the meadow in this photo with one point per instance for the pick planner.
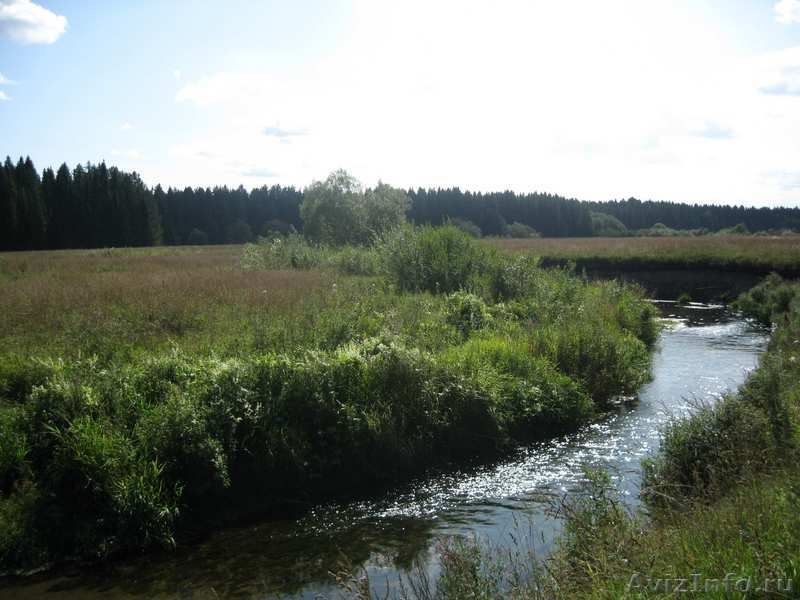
(140, 390)
(760, 253)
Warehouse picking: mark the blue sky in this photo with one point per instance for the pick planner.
(693, 101)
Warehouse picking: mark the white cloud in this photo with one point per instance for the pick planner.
(26, 22)
(5, 81)
(517, 96)
(130, 153)
(787, 11)
(4, 96)
(126, 126)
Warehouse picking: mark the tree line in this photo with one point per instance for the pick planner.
(94, 206)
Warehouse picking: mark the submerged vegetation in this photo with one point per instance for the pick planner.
(161, 385)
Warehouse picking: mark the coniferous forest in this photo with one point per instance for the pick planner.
(94, 206)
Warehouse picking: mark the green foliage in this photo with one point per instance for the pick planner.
(767, 301)
(239, 232)
(529, 394)
(742, 434)
(466, 226)
(439, 260)
(738, 229)
(466, 312)
(338, 211)
(13, 447)
(659, 230)
(709, 452)
(294, 251)
(607, 225)
(516, 276)
(197, 237)
(466, 572)
(521, 230)
(358, 384)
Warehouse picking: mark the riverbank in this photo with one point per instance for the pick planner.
(721, 501)
(392, 534)
(715, 268)
(152, 394)
(758, 255)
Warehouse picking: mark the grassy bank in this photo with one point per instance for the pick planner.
(760, 254)
(140, 391)
(720, 508)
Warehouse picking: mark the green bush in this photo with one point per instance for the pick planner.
(467, 226)
(293, 251)
(515, 276)
(706, 454)
(767, 301)
(530, 396)
(433, 259)
(521, 230)
(466, 312)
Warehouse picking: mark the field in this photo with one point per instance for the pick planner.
(118, 301)
(140, 390)
(738, 252)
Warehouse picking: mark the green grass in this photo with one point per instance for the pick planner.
(140, 391)
(721, 498)
(759, 254)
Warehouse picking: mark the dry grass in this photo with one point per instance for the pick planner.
(747, 251)
(140, 297)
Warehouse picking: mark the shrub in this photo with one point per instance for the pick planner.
(530, 396)
(604, 360)
(604, 224)
(468, 227)
(738, 229)
(293, 251)
(276, 227)
(768, 300)
(521, 230)
(515, 276)
(440, 260)
(466, 312)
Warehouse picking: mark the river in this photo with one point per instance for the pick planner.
(703, 352)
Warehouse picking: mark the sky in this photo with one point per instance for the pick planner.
(688, 100)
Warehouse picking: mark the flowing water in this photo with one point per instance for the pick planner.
(703, 352)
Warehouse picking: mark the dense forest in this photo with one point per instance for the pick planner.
(97, 206)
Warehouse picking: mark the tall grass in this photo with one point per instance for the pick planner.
(721, 499)
(263, 387)
(760, 253)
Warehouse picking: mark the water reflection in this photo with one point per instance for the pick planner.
(703, 352)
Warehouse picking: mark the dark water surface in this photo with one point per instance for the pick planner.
(703, 352)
